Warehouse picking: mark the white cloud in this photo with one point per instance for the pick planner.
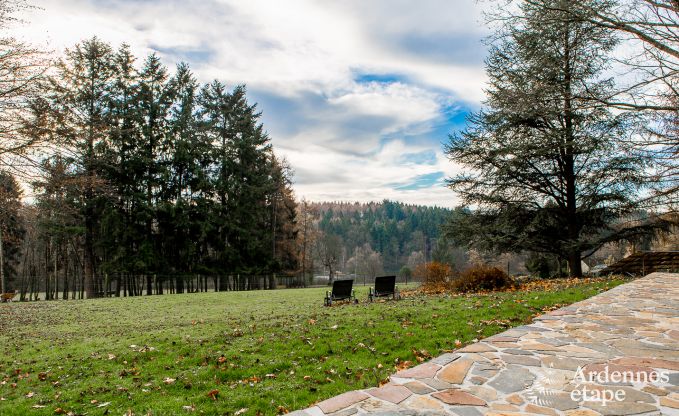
(344, 138)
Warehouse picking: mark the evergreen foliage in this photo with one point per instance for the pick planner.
(550, 168)
(173, 178)
(392, 229)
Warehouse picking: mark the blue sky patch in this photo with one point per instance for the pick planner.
(426, 157)
(420, 182)
(366, 78)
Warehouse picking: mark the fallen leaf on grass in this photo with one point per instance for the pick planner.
(104, 404)
(270, 376)
(241, 411)
(403, 365)
(30, 394)
(191, 408)
(421, 355)
(213, 394)
(35, 406)
(169, 380)
(59, 411)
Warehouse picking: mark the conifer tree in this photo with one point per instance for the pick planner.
(547, 165)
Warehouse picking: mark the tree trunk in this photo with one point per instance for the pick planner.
(3, 283)
(575, 264)
(331, 275)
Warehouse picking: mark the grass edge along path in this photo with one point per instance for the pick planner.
(240, 353)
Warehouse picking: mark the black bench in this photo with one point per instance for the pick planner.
(384, 286)
(341, 290)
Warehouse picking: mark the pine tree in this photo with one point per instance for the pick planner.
(78, 107)
(11, 228)
(547, 164)
(155, 99)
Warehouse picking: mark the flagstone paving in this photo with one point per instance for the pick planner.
(539, 369)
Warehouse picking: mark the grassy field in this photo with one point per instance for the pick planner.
(219, 353)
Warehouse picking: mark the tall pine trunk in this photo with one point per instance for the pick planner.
(574, 261)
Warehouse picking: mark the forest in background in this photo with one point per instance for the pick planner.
(398, 234)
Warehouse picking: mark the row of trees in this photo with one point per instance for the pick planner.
(566, 158)
(148, 173)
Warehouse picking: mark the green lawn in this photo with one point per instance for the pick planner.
(265, 351)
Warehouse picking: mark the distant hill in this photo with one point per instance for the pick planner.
(393, 229)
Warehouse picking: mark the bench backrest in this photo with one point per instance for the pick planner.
(342, 288)
(385, 284)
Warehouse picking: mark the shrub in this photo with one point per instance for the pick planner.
(433, 273)
(482, 278)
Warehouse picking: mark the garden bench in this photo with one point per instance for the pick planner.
(341, 290)
(384, 286)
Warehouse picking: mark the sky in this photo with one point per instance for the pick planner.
(358, 95)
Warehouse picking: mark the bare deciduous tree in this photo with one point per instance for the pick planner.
(21, 71)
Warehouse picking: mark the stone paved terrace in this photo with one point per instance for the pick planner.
(533, 369)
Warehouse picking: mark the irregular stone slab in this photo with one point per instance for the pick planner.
(298, 413)
(482, 392)
(346, 412)
(436, 384)
(398, 412)
(466, 411)
(582, 412)
(532, 408)
(486, 370)
(374, 405)
(445, 359)
(478, 380)
(478, 347)
(456, 371)
(622, 409)
(517, 352)
(561, 363)
(555, 400)
(340, 402)
(424, 402)
(667, 402)
(514, 399)
(426, 370)
(512, 379)
(502, 338)
(456, 396)
(648, 362)
(656, 391)
(391, 393)
(418, 388)
(521, 359)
